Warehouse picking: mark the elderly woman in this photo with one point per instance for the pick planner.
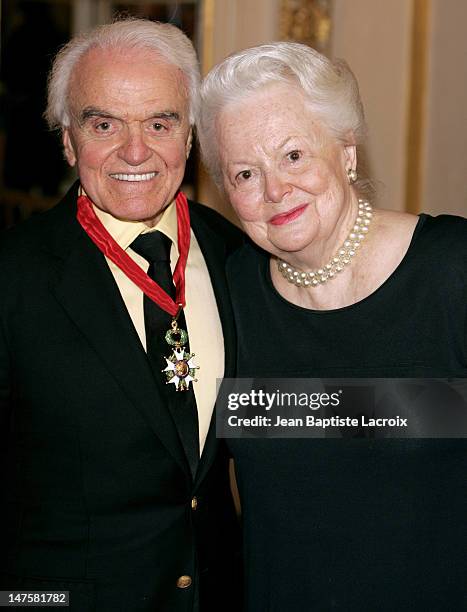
(329, 287)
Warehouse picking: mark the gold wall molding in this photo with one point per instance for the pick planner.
(416, 125)
(306, 21)
(206, 34)
(205, 191)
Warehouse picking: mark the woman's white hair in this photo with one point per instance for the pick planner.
(329, 86)
(132, 33)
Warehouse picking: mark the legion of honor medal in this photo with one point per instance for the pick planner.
(180, 368)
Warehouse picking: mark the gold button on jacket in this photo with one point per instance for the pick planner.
(184, 582)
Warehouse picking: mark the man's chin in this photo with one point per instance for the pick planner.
(134, 211)
(139, 212)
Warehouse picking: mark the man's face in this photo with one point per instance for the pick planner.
(129, 135)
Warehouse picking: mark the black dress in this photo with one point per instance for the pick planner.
(357, 525)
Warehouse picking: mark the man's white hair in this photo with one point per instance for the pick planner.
(164, 39)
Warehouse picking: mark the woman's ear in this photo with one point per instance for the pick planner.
(350, 163)
(350, 156)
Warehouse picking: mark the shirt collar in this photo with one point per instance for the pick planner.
(124, 232)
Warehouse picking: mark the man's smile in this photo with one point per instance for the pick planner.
(134, 177)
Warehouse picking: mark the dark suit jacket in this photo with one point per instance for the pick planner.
(96, 488)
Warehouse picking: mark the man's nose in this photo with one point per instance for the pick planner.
(276, 187)
(134, 150)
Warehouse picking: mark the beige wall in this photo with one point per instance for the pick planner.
(445, 161)
(243, 23)
(374, 37)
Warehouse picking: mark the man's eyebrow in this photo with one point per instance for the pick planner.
(170, 115)
(91, 111)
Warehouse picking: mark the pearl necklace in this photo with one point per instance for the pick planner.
(342, 258)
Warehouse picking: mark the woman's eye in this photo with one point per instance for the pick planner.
(244, 175)
(294, 156)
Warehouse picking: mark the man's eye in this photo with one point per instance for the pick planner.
(158, 127)
(294, 156)
(103, 126)
(244, 175)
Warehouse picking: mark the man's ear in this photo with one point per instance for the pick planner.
(189, 142)
(68, 147)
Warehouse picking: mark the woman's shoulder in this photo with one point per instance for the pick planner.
(441, 242)
(247, 261)
(449, 229)
(441, 235)
(402, 246)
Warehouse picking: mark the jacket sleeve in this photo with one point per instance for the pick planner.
(5, 397)
(5, 367)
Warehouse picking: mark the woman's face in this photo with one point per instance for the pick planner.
(286, 179)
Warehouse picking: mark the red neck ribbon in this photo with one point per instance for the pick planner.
(105, 243)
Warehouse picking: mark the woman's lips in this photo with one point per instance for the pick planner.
(289, 216)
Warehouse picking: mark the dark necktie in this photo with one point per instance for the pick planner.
(155, 248)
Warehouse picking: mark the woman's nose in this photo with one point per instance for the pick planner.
(276, 187)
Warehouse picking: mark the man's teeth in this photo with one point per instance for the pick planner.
(134, 177)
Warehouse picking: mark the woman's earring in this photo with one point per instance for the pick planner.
(352, 175)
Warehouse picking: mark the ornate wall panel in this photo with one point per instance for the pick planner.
(306, 21)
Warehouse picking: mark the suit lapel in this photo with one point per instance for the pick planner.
(214, 252)
(87, 291)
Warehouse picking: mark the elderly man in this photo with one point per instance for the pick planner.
(115, 488)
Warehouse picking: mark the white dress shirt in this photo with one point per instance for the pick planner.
(202, 317)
